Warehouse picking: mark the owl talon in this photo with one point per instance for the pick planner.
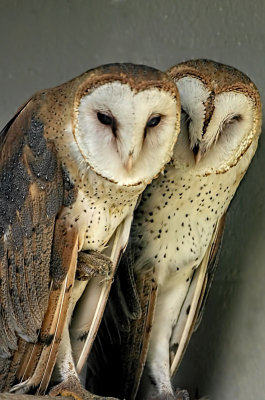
(181, 395)
(71, 386)
(92, 264)
(22, 388)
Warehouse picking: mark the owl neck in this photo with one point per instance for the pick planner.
(93, 184)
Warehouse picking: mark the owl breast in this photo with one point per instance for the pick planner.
(176, 219)
(97, 217)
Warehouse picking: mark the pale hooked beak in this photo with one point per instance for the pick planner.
(129, 163)
(197, 153)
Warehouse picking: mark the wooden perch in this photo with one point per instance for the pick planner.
(9, 396)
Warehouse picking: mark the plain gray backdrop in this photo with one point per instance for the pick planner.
(46, 42)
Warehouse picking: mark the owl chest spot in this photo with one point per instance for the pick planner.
(95, 218)
(179, 244)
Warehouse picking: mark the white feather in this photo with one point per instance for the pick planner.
(107, 154)
(225, 139)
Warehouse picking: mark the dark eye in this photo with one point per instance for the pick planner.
(234, 118)
(104, 119)
(153, 121)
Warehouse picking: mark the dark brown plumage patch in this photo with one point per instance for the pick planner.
(209, 107)
(70, 191)
(57, 272)
(30, 198)
(14, 183)
(43, 161)
(47, 340)
(35, 139)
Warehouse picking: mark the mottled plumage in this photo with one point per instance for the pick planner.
(73, 162)
(178, 225)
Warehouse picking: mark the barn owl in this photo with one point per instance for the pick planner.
(74, 160)
(178, 225)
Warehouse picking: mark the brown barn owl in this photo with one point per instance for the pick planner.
(74, 160)
(178, 227)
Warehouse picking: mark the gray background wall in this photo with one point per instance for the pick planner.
(46, 42)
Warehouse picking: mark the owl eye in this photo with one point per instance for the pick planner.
(154, 121)
(108, 120)
(234, 118)
(105, 119)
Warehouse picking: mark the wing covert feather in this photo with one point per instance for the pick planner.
(31, 195)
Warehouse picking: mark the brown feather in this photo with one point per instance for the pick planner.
(29, 203)
(119, 352)
(139, 335)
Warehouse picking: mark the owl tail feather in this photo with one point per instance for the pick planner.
(33, 363)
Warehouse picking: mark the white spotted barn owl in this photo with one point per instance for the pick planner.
(74, 160)
(178, 227)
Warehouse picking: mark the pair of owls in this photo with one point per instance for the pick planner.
(74, 161)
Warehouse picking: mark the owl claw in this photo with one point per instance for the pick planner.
(178, 395)
(93, 264)
(71, 386)
(22, 388)
(181, 395)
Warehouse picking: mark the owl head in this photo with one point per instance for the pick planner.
(126, 121)
(220, 115)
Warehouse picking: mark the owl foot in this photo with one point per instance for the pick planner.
(71, 386)
(92, 264)
(181, 395)
(178, 395)
(23, 387)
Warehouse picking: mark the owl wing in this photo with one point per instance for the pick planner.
(35, 267)
(193, 306)
(120, 348)
(95, 297)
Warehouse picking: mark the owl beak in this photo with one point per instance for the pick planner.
(197, 153)
(129, 163)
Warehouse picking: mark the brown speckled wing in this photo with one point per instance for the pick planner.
(31, 195)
